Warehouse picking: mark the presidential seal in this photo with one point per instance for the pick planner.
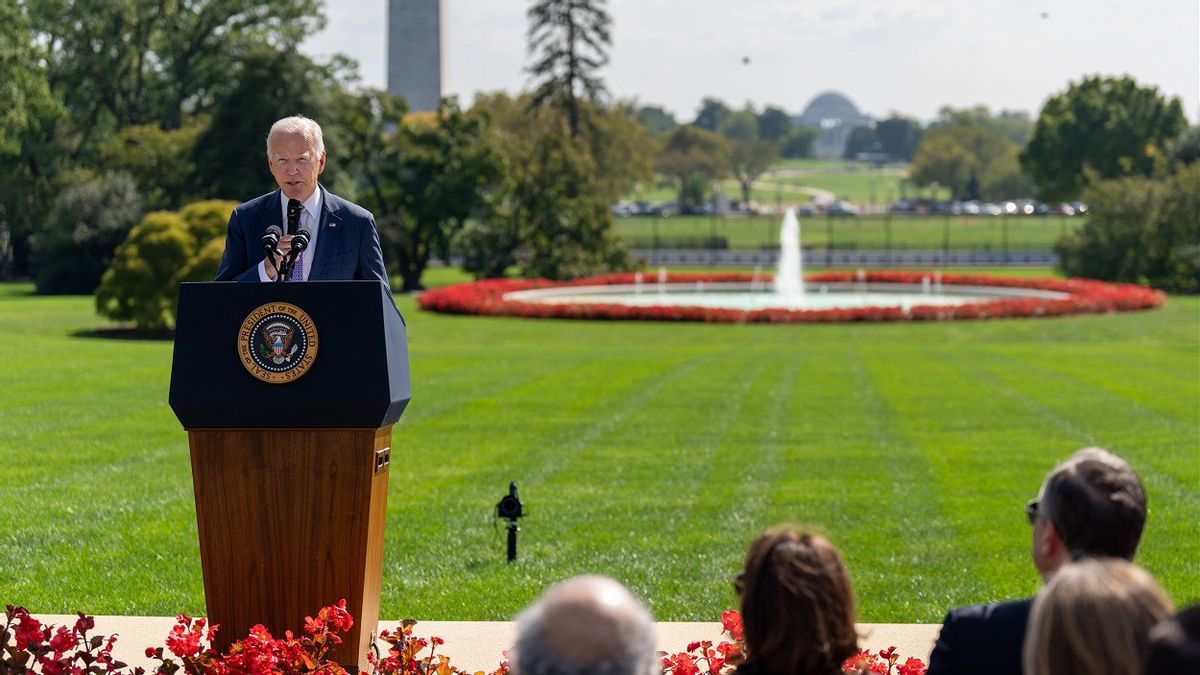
(277, 342)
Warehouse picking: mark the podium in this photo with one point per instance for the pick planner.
(289, 393)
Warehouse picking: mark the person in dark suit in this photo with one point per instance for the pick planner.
(344, 243)
(1092, 505)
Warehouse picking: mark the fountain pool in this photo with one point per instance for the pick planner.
(789, 297)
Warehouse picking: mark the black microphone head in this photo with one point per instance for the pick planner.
(300, 239)
(293, 215)
(270, 238)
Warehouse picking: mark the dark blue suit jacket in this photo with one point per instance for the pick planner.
(983, 639)
(347, 243)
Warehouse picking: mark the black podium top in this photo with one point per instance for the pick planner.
(314, 355)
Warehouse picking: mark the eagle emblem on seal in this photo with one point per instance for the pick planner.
(276, 342)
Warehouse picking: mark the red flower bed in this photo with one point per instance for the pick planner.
(1085, 297)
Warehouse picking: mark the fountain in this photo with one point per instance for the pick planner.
(787, 292)
(789, 278)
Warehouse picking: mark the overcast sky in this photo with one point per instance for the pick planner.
(907, 56)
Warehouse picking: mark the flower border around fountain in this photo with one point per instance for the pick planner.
(1084, 296)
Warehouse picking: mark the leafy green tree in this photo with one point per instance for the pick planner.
(689, 151)
(1186, 149)
(899, 137)
(1002, 178)
(774, 124)
(551, 216)
(230, 154)
(76, 243)
(957, 150)
(27, 164)
(712, 114)
(158, 160)
(740, 126)
(751, 159)
(570, 38)
(861, 139)
(1104, 127)
(1140, 230)
(656, 120)
(128, 62)
(799, 143)
(424, 176)
(142, 285)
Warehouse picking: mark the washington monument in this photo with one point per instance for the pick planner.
(415, 52)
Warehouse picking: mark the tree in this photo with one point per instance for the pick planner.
(1111, 127)
(712, 113)
(751, 159)
(75, 245)
(551, 214)
(861, 140)
(656, 120)
(29, 110)
(1140, 230)
(957, 150)
(158, 160)
(799, 143)
(690, 151)
(899, 137)
(571, 38)
(142, 284)
(774, 124)
(230, 154)
(423, 175)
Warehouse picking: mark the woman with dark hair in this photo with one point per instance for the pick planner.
(797, 606)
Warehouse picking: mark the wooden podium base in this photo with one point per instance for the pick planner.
(291, 521)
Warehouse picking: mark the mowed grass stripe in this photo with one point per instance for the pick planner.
(980, 467)
(557, 418)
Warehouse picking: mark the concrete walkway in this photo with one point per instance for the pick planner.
(479, 645)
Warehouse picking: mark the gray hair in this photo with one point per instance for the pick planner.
(589, 625)
(298, 124)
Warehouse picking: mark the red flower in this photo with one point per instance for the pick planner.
(912, 667)
(63, 640)
(183, 642)
(28, 630)
(731, 622)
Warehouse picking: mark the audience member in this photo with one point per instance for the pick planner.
(1094, 618)
(1175, 645)
(797, 606)
(588, 625)
(1091, 505)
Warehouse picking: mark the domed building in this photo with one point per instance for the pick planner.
(834, 116)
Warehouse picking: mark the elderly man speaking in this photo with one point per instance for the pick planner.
(342, 242)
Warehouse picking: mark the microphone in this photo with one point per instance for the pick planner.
(293, 215)
(300, 240)
(270, 240)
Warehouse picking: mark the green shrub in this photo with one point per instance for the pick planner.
(142, 284)
(206, 220)
(75, 244)
(1140, 230)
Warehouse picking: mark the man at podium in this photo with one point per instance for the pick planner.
(333, 238)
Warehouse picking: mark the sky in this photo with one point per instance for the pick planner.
(906, 56)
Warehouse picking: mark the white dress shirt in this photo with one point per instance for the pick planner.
(310, 217)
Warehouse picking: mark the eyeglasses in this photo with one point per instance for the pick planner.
(1031, 510)
(739, 583)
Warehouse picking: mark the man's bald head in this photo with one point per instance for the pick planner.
(588, 625)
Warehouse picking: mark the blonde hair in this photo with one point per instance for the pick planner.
(298, 124)
(1094, 618)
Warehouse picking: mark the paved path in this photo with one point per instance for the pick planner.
(479, 645)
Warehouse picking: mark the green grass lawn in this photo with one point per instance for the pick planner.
(652, 452)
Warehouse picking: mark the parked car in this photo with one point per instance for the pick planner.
(990, 209)
(842, 208)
